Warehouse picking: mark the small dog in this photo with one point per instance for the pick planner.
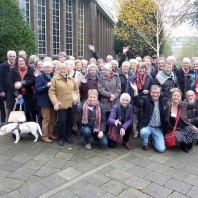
(16, 128)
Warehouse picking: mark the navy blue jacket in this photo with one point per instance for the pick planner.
(41, 89)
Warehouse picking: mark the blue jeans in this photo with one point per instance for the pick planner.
(157, 138)
(87, 133)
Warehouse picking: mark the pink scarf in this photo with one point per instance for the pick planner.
(98, 115)
(185, 71)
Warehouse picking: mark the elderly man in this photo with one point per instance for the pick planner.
(4, 70)
(62, 57)
(152, 120)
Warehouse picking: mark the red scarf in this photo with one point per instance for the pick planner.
(141, 79)
(23, 72)
(11, 65)
(98, 115)
(108, 75)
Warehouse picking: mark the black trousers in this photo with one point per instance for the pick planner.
(65, 123)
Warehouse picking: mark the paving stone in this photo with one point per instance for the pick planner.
(98, 160)
(56, 163)
(77, 186)
(64, 156)
(107, 195)
(34, 164)
(175, 163)
(132, 193)
(139, 171)
(119, 175)
(114, 187)
(158, 158)
(22, 173)
(53, 150)
(44, 157)
(45, 171)
(53, 181)
(123, 165)
(136, 182)
(13, 194)
(84, 166)
(90, 191)
(157, 178)
(9, 184)
(175, 173)
(177, 195)
(33, 190)
(157, 191)
(107, 169)
(140, 161)
(109, 155)
(4, 173)
(10, 165)
(179, 186)
(161, 168)
(193, 192)
(97, 179)
(4, 158)
(69, 173)
(192, 179)
(191, 169)
(64, 194)
(141, 153)
(23, 158)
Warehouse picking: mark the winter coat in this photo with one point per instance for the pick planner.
(61, 91)
(41, 89)
(125, 118)
(28, 85)
(106, 87)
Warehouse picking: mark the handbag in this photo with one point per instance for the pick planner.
(113, 134)
(169, 137)
(17, 116)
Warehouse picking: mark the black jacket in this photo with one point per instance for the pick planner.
(147, 104)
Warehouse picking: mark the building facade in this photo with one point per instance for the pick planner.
(69, 26)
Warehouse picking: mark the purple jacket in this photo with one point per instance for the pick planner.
(125, 116)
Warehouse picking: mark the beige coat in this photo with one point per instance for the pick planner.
(61, 91)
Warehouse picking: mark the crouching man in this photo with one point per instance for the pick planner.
(152, 121)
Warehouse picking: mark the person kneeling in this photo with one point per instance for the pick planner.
(93, 118)
(121, 119)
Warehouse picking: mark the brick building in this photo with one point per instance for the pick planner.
(69, 26)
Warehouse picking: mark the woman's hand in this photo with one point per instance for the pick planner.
(145, 91)
(75, 96)
(84, 80)
(100, 135)
(92, 48)
(195, 129)
(17, 85)
(117, 122)
(122, 132)
(19, 96)
(112, 98)
(57, 106)
(134, 87)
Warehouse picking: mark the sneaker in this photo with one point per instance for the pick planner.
(88, 146)
(135, 135)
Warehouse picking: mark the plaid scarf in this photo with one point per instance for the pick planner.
(141, 79)
(98, 115)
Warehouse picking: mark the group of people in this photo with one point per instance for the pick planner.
(106, 100)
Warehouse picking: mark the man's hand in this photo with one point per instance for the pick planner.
(145, 91)
(100, 135)
(92, 48)
(117, 122)
(57, 106)
(125, 49)
(17, 85)
(112, 98)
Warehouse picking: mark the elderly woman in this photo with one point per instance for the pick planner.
(62, 85)
(100, 64)
(184, 76)
(144, 82)
(124, 74)
(55, 64)
(38, 67)
(42, 84)
(93, 118)
(167, 80)
(90, 81)
(114, 65)
(185, 131)
(121, 117)
(109, 88)
(160, 66)
(133, 65)
(21, 79)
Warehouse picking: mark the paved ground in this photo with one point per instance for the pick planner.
(29, 169)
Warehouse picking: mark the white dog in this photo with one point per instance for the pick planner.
(27, 127)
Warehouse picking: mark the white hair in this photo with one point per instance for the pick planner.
(186, 59)
(47, 63)
(11, 52)
(125, 95)
(125, 63)
(108, 67)
(133, 61)
(171, 58)
(90, 66)
(70, 62)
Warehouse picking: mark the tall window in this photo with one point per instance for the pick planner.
(56, 26)
(25, 8)
(41, 26)
(81, 29)
(69, 28)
